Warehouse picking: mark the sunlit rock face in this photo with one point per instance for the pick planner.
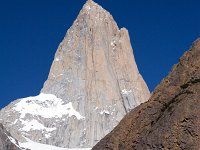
(93, 82)
(170, 119)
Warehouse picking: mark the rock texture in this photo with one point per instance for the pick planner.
(94, 64)
(6, 140)
(170, 119)
(94, 76)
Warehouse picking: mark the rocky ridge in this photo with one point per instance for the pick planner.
(7, 142)
(93, 82)
(170, 119)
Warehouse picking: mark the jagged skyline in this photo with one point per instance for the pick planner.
(160, 32)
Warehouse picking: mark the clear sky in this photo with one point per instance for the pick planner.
(30, 31)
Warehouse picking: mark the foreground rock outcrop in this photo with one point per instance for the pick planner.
(170, 119)
(7, 142)
(93, 82)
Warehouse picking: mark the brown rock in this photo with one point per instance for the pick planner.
(170, 119)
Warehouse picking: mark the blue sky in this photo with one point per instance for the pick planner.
(30, 31)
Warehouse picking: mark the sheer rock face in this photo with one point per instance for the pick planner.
(94, 72)
(6, 140)
(170, 119)
(94, 64)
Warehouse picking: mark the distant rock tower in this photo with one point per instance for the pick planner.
(93, 82)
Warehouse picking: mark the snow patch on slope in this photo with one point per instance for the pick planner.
(105, 112)
(37, 146)
(34, 125)
(46, 106)
(126, 92)
(13, 141)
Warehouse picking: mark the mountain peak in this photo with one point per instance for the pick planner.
(94, 79)
(90, 4)
(94, 11)
(89, 1)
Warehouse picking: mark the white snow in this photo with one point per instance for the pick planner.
(96, 108)
(105, 112)
(15, 121)
(37, 146)
(34, 125)
(70, 81)
(13, 141)
(84, 131)
(113, 43)
(47, 135)
(57, 59)
(60, 75)
(125, 92)
(88, 7)
(46, 106)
